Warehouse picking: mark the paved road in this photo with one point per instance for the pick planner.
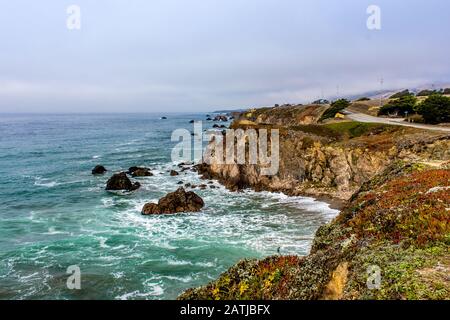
(361, 117)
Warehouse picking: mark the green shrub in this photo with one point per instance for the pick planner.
(435, 109)
(353, 129)
(401, 94)
(426, 93)
(363, 99)
(335, 107)
(399, 106)
(416, 118)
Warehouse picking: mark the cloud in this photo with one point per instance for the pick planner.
(197, 55)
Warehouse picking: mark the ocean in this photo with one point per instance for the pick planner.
(55, 214)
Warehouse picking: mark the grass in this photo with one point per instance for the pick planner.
(406, 210)
(343, 130)
(355, 129)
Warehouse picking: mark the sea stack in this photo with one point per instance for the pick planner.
(175, 202)
(99, 170)
(120, 181)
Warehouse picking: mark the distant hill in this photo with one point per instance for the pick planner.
(230, 110)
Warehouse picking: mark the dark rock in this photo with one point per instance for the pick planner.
(208, 119)
(175, 202)
(173, 173)
(180, 182)
(220, 118)
(142, 172)
(163, 118)
(212, 186)
(203, 186)
(99, 170)
(216, 126)
(192, 121)
(139, 172)
(120, 181)
(184, 164)
(132, 169)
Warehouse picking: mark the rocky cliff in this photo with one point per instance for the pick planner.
(391, 239)
(327, 160)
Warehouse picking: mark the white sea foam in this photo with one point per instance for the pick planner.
(103, 242)
(43, 182)
(155, 289)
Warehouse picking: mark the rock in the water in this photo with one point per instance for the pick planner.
(192, 121)
(175, 202)
(99, 170)
(140, 172)
(220, 118)
(173, 173)
(120, 181)
(184, 164)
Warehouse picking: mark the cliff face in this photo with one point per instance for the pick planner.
(390, 242)
(331, 160)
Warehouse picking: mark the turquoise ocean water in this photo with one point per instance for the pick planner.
(54, 213)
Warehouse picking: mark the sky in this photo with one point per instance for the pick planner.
(202, 55)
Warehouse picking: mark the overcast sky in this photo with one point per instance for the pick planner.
(199, 55)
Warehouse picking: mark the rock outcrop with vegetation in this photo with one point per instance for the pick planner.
(395, 182)
(397, 223)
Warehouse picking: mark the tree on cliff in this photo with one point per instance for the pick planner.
(435, 109)
(401, 106)
(401, 94)
(335, 107)
(426, 93)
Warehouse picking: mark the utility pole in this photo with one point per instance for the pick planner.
(381, 91)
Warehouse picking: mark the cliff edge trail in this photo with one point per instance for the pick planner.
(361, 117)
